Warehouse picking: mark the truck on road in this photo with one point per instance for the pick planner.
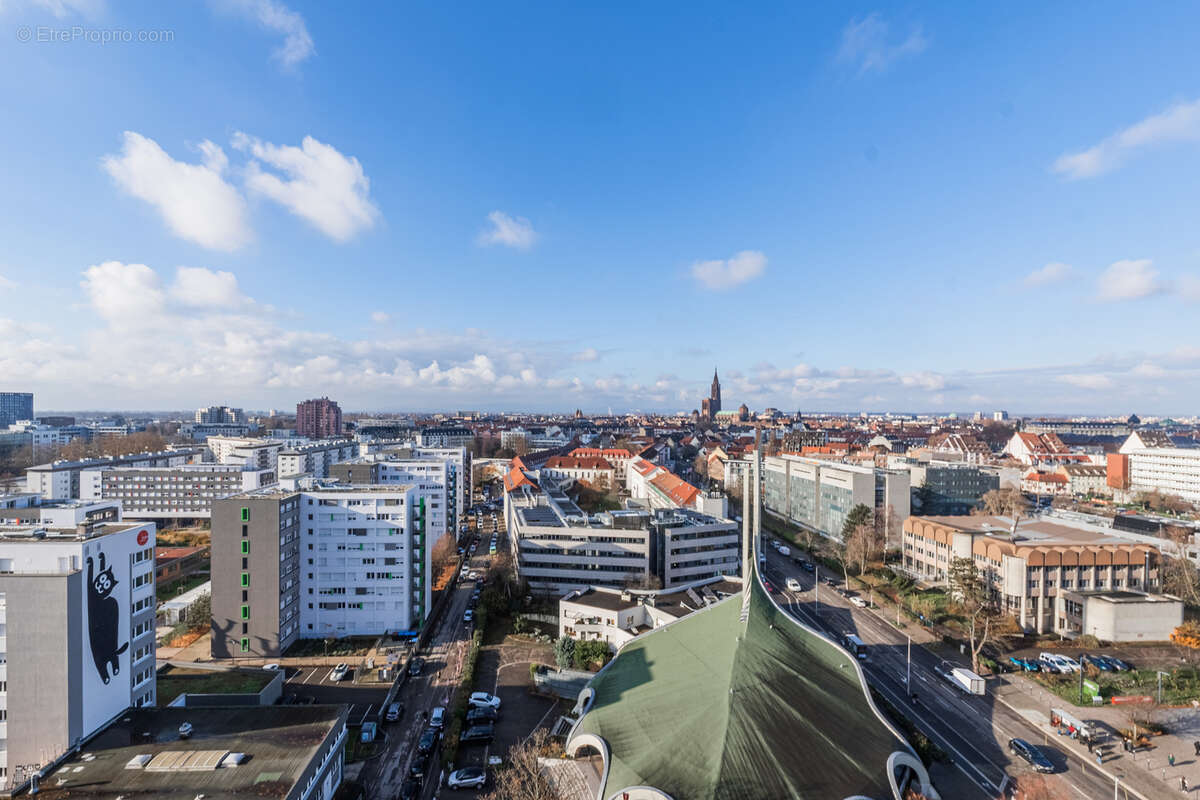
(961, 678)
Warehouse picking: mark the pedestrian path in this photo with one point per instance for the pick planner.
(1148, 772)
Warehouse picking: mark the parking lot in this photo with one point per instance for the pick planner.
(314, 685)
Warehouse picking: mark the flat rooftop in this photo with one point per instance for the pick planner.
(34, 533)
(1033, 530)
(676, 602)
(325, 488)
(279, 741)
(1118, 596)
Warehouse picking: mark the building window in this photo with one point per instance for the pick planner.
(245, 514)
(245, 645)
(245, 579)
(245, 548)
(245, 612)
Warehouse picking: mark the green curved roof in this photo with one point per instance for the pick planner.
(702, 712)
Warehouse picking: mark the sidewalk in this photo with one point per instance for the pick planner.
(1144, 772)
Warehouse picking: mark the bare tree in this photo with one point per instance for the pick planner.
(444, 551)
(1179, 574)
(522, 777)
(1007, 502)
(859, 546)
(986, 621)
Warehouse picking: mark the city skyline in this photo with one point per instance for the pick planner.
(862, 209)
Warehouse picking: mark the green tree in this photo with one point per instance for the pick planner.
(859, 515)
(564, 652)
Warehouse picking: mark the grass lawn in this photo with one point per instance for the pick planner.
(173, 681)
(173, 590)
(1180, 686)
(346, 646)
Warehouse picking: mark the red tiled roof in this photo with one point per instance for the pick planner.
(515, 478)
(164, 554)
(618, 453)
(643, 466)
(570, 462)
(680, 491)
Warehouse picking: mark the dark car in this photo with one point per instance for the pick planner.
(1098, 662)
(1120, 664)
(409, 790)
(428, 740)
(419, 765)
(478, 716)
(478, 733)
(807, 566)
(1031, 754)
(415, 666)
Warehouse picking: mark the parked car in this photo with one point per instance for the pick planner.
(419, 765)
(767, 585)
(339, 672)
(428, 741)
(483, 732)
(1031, 754)
(1060, 662)
(478, 699)
(467, 778)
(793, 585)
(1025, 664)
(437, 719)
(1098, 662)
(858, 601)
(1120, 663)
(409, 790)
(415, 666)
(482, 714)
(468, 616)
(394, 712)
(271, 666)
(1048, 664)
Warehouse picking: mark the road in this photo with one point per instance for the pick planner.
(972, 729)
(384, 774)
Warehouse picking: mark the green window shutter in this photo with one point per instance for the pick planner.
(245, 645)
(246, 548)
(245, 579)
(245, 612)
(245, 514)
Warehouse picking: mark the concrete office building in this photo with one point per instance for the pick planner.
(1033, 570)
(200, 431)
(818, 494)
(183, 492)
(446, 436)
(220, 414)
(14, 407)
(318, 419)
(77, 611)
(1149, 461)
(516, 440)
(1122, 616)
(558, 548)
(30, 509)
(248, 451)
(431, 478)
(319, 562)
(315, 458)
(947, 488)
(59, 480)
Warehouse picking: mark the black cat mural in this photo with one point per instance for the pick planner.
(104, 618)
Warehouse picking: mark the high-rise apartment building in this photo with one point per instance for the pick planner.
(319, 562)
(15, 406)
(220, 414)
(77, 612)
(320, 418)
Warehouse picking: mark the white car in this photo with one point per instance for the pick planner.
(858, 601)
(339, 672)
(271, 666)
(467, 778)
(483, 699)
(793, 585)
(1063, 663)
(438, 718)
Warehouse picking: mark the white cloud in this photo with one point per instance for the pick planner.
(124, 294)
(1129, 280)
(867, 44)
(929, 381)
(197, 286)
(380, 317)
(1087, 381)
(1053, 272)
(731, 272)
(319, 184)
(1148, 370)
(6, 283)
(277, 18)
(1179, 123)
(66, 8)
(587, 354)
(510, 231)
(194, 199)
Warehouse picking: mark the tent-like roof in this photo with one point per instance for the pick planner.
(714, 708)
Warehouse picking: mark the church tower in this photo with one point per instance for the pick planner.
(715, 395)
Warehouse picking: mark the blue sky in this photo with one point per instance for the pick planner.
(551, 206)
